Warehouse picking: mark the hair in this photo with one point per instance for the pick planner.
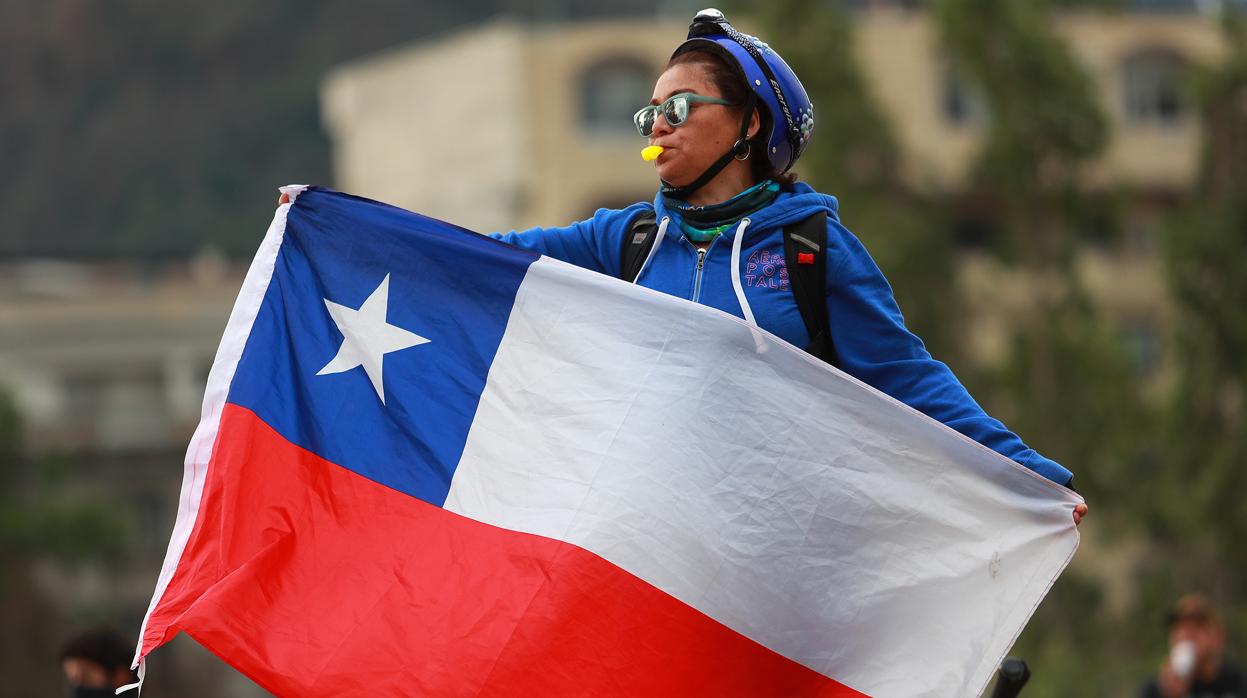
(731, 87)
(1193, 608)
(103, 646)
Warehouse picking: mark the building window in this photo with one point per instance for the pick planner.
(1143, 343)
(975, 225)
(961, 102)
(610, 93)
(974, 232)
(1152, 87)
(1144, 234)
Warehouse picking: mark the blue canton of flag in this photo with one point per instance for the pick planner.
(455, 294)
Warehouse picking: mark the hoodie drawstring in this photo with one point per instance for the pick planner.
(662, 233)
(736, 285)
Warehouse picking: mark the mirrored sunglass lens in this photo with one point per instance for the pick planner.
(645, 121)
(676, 110)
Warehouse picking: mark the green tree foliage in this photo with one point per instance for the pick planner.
(40, 514)
(11, 448)
(31, 623)
(1067, 384)
(1200, 513)
(1045, 122)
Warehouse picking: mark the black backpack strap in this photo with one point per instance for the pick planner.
(805, 254)
(637, 241)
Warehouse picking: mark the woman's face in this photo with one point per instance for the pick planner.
(708, 133)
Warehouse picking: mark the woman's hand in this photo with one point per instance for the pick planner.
(1080, 510)
(283, 199)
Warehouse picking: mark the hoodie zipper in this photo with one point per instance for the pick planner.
(701, 264)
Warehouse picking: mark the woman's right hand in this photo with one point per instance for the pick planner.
(283, 199)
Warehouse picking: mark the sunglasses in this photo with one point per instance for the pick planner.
(675, 110)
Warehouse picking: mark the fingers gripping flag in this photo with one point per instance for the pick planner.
(431, 463)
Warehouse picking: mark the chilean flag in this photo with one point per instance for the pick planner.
(431, 463)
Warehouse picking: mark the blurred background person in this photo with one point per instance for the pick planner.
(96, 662)
(1197, 664)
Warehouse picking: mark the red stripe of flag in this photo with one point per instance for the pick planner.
(313, 580)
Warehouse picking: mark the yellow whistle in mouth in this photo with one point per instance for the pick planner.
(651, 152)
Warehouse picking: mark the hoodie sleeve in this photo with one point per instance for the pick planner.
(591, 244)
(874, 346)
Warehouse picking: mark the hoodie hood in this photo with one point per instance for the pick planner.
(795, 202)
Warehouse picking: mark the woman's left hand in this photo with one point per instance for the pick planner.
(1080, 510)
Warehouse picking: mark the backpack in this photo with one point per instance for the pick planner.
(805, 254)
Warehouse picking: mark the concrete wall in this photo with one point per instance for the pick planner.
(437, 127)
(492, 137)
(899, 54)
(575, 172)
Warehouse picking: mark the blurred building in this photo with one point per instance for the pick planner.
(111, 358)
(508, 126)
(1138, 62)
(107, 364)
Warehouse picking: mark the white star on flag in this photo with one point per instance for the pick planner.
(367, 337)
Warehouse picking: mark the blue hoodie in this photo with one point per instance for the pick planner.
(871, 340)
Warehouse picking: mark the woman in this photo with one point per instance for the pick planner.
(731, 118)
